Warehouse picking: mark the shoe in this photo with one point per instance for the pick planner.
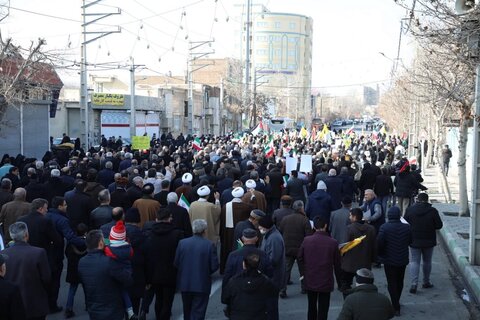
(133, 317)
(283, 294)
(55, 309)
(427, 285)
(413, 289)
(69, 313)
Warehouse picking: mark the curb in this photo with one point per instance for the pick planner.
(472, 279)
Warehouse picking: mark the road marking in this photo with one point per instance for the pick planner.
(215, 286)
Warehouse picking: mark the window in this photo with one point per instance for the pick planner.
(292, 25)
(261, 52)
(261, 24)
(261, 38)
(277, 25)
(278, 52)
(294, 39)
(291, 53)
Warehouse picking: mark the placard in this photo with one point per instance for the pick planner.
(306, 163)
(291, 164)
(140, 142)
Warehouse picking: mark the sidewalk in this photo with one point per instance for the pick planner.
(456, 230)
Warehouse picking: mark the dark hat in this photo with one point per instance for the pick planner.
(132, 215)
(364, 276)
(266, 222)
(148, 188)
(257, 214)
(249, 233)
(394, 213)
(3, 259)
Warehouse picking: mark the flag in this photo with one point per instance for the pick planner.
(269, 149)
(324, 132)
(303, 133)
(313, 136)
(258, 129)
(347, 246)
(350, 131)
(383, 130)
(197, 144)
(285, 180)
(183, 202)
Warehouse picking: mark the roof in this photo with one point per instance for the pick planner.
(37, 73)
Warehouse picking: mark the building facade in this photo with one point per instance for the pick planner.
(281, 59)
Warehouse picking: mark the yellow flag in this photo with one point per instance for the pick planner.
(303, 132)
(345, 247)
(383, 130)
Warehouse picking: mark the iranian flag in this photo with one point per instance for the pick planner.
(269, 149)
(183, 202)
(350, 131)
(197, 144)
(258, 129)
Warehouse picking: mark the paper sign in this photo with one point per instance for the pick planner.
(140, 142)
(306, 163)
(291, 164)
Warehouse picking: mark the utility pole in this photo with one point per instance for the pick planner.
(255, 85)
(192, 56)
(247, 52)
(83, 64)
(133, 122)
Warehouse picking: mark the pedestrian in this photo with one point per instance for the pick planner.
(103, 281)
(30, 271)
(196, 260)
(232, 213)
(146, 205)
(79, 204)
(121, 253)
(334, 188)
(339, 220)
(361, 256)
(202, 209)
(294, 228)
(295, 187)
(235, 259)
(57, 214)
(254, 198)
(284, 210)
(247, 294)
(5, 191)
(383, 188)
(103, 213)
(319, 203)
(274, 247)
(320, 259)
(424, 221)
(405, 185)
(161, 274)
(11, 304)
(364, 302)
(393, 240)
(251, 222)
(446, 155)
(373, 210)
(74, 254)
(13, 210)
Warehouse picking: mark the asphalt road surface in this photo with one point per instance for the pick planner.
(444, 301)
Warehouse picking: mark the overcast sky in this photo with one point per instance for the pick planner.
(348, 35)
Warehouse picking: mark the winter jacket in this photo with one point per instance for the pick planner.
(424, 220)
(319, 204)
(320, 257)
(406, 185)
(365, 303)
(367, 180)
(79, 206)
(383, 186)
(349, 188)
(274, 247)
(393, 240)
(103, 282)
(160, 248)
(294, 228)
(246, 296)
(93, 189)
(363, 254)
(334, 189)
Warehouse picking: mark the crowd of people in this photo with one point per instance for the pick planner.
(140, 225)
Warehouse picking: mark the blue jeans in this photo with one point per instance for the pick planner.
(384, 200)
(71, 295)
(415, 255)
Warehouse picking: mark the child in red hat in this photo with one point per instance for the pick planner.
(121, 252)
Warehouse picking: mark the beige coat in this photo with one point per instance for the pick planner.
(211, 213)
(147, 207)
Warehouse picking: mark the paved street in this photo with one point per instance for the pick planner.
(441, 302)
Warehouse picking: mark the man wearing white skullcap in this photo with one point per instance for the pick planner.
(186, 188)
(202, 209)
(254, 198)
(319, 203)
(232, 213)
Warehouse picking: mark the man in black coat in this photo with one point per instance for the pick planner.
(103, 280)
(30, 271)
(246, 294)
(180, 217)
(161, 274)
(42, 234)
(5, 191)
(11, 304)
(79, 205)
(424, 221)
